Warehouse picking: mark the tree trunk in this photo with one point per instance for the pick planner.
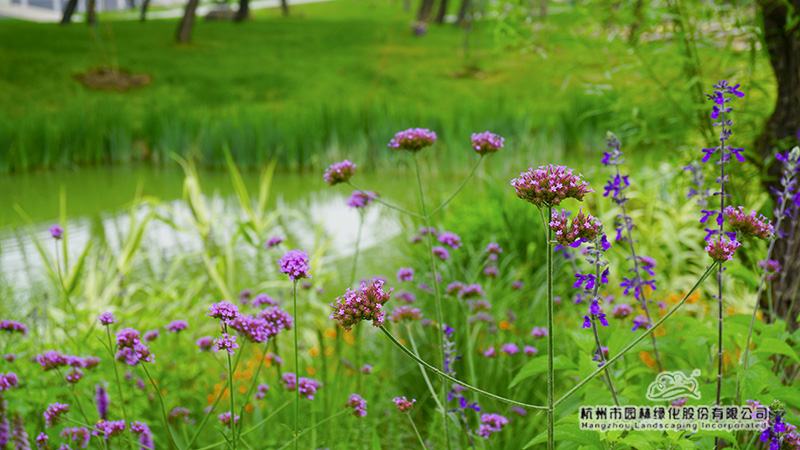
(542, 9)
(779, 134)
(91, 16)
(442, 12)
(243, 12)
(187, 23)
(462, 12)
(425, 9)
(143, 14)
(285, 8)
(68, 10)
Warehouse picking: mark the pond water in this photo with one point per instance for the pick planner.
(98, 202)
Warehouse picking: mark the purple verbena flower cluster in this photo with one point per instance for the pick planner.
(358, 404)
(81, 435)
(307, 386)
(486, 142)
(8, 380)
(583, 228)
(361, 199)
(295, 264)
(491, 423)
(748, 225)
(130, 348)
(721, 248)
(12, 326)
(225, 419)
(405, 313)
(413, 139)
(550, 185)
(403, 404)
(340, 172)
(54, 412)
(176, 326)
(364, 304)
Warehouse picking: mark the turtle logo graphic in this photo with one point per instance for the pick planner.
(674, 385)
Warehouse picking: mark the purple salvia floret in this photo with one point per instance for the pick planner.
(101, 400)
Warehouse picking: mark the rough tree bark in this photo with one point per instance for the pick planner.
(441, 12)
(187, 23)
(462, 12)
(68, 10)
(779, 134)
(143, 13)
(243, 12)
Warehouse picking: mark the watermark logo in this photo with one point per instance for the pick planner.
(674, 385)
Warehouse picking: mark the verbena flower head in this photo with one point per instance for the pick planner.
(54, 412)
(145, 435)
(225, 419)
(51, 359)
(307, 386)
(413, 139)
(151, 335)
(539, 332)
(339, 172)
(74, 376)
(721, 248)
(748, 225)
(517, 285)
(80, 435)
(493, 248)
(8, 380)
(406, 296)
(366, 369)
(771, 267)
(295, 264)
(108, 429)
(101, 401)
(358, 404)
(440, 252)
(41, 439)
(176, 326)
(274, 241)
(261, 391)
(405, 274)
(584, 227)
(509, 349)
(12, 326)
(263, 299)
(530, 350)
(204, 343)
(550, 185)
(225, 342)
(487, 142)
(130, 348)
(622, 310)
(491, 423)
(56, 231)
(365, 304)
(180, 414)
(450, 239)
(223, 310)
(107, 318)
(403, 404)
(472, 291)
(405, 314)
(361, 199)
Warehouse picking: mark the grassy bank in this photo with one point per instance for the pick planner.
(337, 79)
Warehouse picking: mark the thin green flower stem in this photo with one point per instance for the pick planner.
(641, 337)
(358, 245)
(74, 395)
(439, 316)
(470, 357)
(296, 370)
(210, 410)
(416, 431)
(422, 369)
(720, 269)
(252, 429)
(761, 283)
(550, 334)
(461, 186)
(116, 375)
(233, 401)
(312, 428)
(254, 383)
(607, 380)
(428, 366)
(643, 301)
(124, 436)
(388, 205)
(163, 408)
(61, 280)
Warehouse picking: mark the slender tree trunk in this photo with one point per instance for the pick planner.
(68, 10)
(425, 9)
(780, 134)
(285, 8)
(187, 23)
(542, 9)
(91, 15)
(462, 12)
(243, 12)
(442, 12)
(143, 14)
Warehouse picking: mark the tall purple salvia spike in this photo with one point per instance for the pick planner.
(101, 399)
(722, 96)
(5, 427)
(623, 224)
(19, 435)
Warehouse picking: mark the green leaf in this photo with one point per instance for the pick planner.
(539, 365)
(638, 442)
(570, 431)
(777, 347)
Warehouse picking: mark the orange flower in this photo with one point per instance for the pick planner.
(330, 333)
(645, 357)
(311, 370)
(504, 325)
(248, 407)
(314, 351)
(242, 389)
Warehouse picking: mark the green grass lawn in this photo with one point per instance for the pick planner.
(335, 79)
